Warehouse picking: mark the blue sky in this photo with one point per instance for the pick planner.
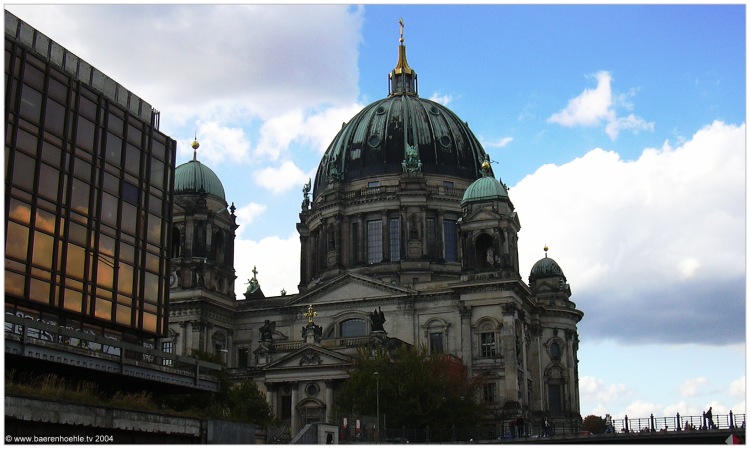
(620, 131)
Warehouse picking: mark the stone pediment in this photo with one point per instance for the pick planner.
(487, 214)
(350, 286)
(308, 356)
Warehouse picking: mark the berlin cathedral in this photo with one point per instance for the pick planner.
(405, 217)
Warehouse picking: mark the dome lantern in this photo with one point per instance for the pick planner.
(402, 79)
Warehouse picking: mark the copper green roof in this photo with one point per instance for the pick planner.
(401, 133)
(486, 188)
(194, 177)
(546, 267)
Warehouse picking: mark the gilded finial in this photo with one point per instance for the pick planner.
(545, 250)
(195, 146)
(485, 166)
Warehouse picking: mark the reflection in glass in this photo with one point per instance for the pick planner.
(103, 309)
(73, 299)
(17, 243)
(75, 261)
(39, 290)
(23, 171)
(42, 255)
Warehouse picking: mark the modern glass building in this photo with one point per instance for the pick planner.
(88, 179)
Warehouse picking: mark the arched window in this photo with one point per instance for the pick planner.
(436, 334)
(485, 256)
(354, 327)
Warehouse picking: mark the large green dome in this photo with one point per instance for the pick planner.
(194, 177)
(401, 129)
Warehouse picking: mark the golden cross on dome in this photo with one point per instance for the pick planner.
(310, 314)
(401, 22)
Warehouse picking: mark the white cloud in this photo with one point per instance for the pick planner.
(590, 107)
(597, 390)
(215, 50)
(737, 387)
(276, 260)
(648, 239)
(282, 178)
(315, 129)
(693, 387)
(640, 408)
(442, 99)
(594, 106)
(217, 143)
(500, 143)
(246, 215)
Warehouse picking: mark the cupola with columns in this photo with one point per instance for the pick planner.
(203, 231)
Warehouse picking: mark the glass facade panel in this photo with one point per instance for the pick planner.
(23, 171)
(73, 300)
(85, 134)
(42, 252)
(54, 117)
(39, 290)
(17, 241)
(67, 220)
(76, 262)
(14, 283)
(48, 182)
(79, 198)
(132, 159)
(31, 104)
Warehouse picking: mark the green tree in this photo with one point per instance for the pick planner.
(594, 424)
(415, 389)
(242, 401)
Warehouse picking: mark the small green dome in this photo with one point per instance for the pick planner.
(486, 188)
(546, 267)
(194, 177)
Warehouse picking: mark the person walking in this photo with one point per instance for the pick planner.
(710, 419)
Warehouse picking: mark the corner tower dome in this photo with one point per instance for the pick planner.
(546, 267)
(486, 188)
(398, 133)
(194, 177)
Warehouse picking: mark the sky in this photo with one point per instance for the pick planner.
(620, 130)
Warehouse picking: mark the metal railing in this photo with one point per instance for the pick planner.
(533, 429)
(26, 336)
(679, 423)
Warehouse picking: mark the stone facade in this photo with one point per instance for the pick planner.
(431, 249)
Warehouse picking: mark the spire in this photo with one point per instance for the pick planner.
(195, 146)
(402, 79)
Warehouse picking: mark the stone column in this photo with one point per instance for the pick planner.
(508, 345)
(188, 338)
(329, 401)
(295, 397)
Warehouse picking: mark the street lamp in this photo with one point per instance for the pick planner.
(377, 401)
